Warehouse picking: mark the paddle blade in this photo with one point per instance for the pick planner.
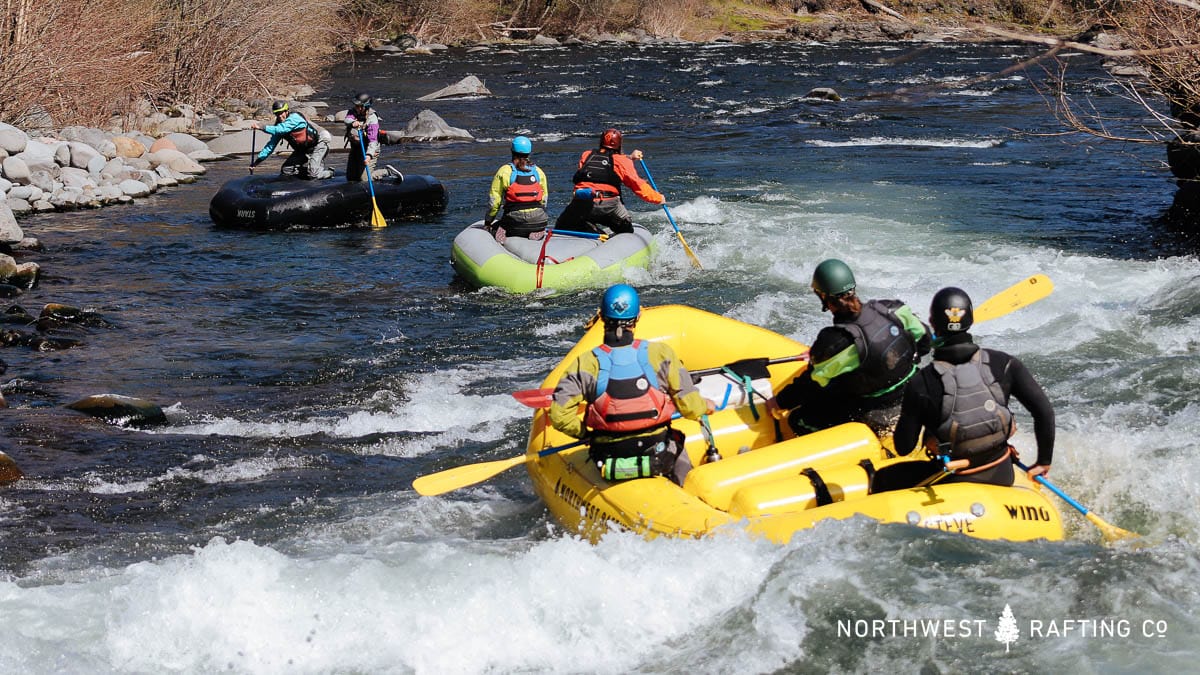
(688, 249)
(535, 398)
(1110, 532)
(463, 476)
(377, 219)
(1014, 297)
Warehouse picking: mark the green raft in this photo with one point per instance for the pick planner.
(568, 262)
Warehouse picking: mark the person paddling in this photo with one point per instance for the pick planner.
(860, 364)
(309, 142)
(518, 196)
(961, 403)
(598, 205)
(631, 388)
(361, 122)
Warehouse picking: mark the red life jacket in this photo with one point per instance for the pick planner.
(524, 190)
(628, 398)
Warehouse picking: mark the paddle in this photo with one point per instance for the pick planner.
(253, 142)
(1111, 532)
(1012, 298)
(470, 474)
(686, 248)
(541, 398)
(377, 219)
(583, 235)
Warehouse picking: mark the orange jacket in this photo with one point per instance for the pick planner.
(628, 175)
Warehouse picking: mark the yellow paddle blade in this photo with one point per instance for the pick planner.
(377, 219)
(688, 249)
(1111, 532)
(463, 476)
(1014, 297)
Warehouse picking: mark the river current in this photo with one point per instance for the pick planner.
(309, 377)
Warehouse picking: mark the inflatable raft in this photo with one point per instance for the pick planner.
(769, 482)
(567, 261)
(281, 202)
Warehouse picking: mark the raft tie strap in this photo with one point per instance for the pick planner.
(747, 386)
(869, 468)
(820, 490)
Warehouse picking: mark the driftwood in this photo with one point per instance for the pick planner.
(871, 4)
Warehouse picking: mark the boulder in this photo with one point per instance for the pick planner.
(468, 86)
(428, 126)
(823, 94)
(121, 410)
(185, 143)
(128, 147)
(10, 232)
(94, 138)
(82, 154)
(16, 170)
(9, 471)
(164, 143)
(12, 139)
(179, 162)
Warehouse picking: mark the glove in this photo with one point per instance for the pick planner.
(537, 236)
(371, 161)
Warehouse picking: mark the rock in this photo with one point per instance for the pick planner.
(9, 471)
(185, 143)
(133, 188)
(16, 170)
(164, 143)
(81, 154)
(128, 147)
(8, 291)
(93, 138)
(468, 86)
(12, 139)
(428, 126)
(121, 410)
(179, 162)
(239, 142)
(824, 94)
(540, 39)
(10, 232)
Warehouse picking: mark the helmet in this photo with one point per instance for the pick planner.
(832, 277)
(621, 303)
(950, 311)
(363, 99)
(521, 145)
(279, 107)
(611, 139)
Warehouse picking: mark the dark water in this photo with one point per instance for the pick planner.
(308, 377)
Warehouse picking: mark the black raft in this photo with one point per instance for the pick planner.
(281, 202)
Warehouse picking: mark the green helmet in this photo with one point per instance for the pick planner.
(832, 277)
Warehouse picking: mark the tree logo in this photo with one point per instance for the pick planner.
(1008, 632)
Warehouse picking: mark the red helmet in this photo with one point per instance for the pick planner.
(611, 139)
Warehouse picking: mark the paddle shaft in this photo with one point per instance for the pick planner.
(687, 249)
(377, 219)
(1111, 532)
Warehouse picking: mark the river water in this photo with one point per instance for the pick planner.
(309, 377)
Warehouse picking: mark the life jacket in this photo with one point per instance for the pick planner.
(352, 134)
(597, 168)
(627, 395)
(305, 137)
(524, 191)
(886, 352)
(975, 420)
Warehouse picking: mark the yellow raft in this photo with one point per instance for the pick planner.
(769, 482)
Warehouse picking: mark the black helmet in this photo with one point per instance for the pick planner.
(363, 99)
(832, 277)
(279, 107)
(950, 311)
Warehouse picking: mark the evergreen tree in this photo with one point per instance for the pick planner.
(1008, 632)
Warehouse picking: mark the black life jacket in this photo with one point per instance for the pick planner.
(886, 352)
(975, 419)
(598, 168)
(305, 137)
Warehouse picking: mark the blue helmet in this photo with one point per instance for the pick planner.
(521, 145)
(620, 303)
